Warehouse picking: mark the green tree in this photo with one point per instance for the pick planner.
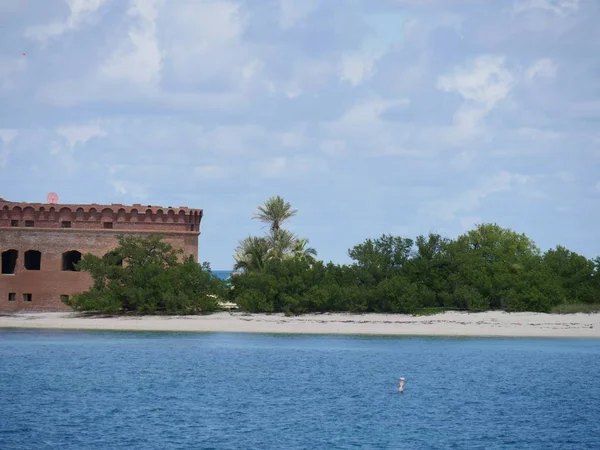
(431, 265)
(146, 275)
(491, 259)
(252, 254)
(486, 267)
(575, 273)
(302, 251)
(275, 212)
(380, 258)
(281, 243)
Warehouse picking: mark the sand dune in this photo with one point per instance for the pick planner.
(447, 324)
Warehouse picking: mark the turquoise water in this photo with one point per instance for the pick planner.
(130, 390)
(223, 274)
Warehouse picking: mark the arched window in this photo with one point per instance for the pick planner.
(33, 260)
(69, 259)
(9, 261)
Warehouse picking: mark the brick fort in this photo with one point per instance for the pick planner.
(41, 242)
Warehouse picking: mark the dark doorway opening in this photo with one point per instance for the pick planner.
(9, 261)
(69, 259)
(33, 260)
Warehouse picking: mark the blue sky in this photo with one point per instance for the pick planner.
(369, 116)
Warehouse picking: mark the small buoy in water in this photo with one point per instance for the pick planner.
(401, 386)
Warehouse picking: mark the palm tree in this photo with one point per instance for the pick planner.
(252, 254)
(275, 211)
(301, 251)
(281, 243)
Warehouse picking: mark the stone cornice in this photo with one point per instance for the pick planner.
(55, 214)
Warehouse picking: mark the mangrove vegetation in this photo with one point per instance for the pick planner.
(486, 268)
(146, 275)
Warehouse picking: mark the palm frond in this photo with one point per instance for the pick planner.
(281, 243)
(275, 212)
(251, 254)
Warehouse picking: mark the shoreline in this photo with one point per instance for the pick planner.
(448, 324)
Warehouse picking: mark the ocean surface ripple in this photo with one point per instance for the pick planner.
(130, 390)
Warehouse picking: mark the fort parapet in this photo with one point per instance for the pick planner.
(41, 242)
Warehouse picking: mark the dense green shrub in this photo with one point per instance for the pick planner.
(145, 275)
(486, 268)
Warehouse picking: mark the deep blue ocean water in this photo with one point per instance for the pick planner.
(138, 390)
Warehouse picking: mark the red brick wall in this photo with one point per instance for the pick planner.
(49, 283)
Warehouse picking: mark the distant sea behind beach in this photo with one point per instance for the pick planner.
(129, 390)
(222, 274)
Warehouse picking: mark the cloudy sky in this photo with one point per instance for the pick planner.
(369, 116)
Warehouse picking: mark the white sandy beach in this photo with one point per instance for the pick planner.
(447, 324)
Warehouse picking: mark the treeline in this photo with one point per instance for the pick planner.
(489, 267)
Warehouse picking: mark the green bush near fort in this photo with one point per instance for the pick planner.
(145, 275)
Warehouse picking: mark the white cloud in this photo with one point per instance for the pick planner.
(64, 157)
(12, 71)
(469, 200)
(365, 114)
(206, 42)
(80, 12)
(363, 126)
(7, 135)
(130, 189)
(464, 159)
(468, 223)
(115, 168)
(11, 7)
(333, 147)
(485, 81)
(290, 167)
(565, 176)
(537, 134)
(75, 134)
(251, 70)
(293, 12)
(292, 139)
(560, 7)
(273, 167)
(307, 75)
(212, 172)
(139, 59)
(386, 30)
(231, 140)
(356, 67)
(545, 68)
(482, 84)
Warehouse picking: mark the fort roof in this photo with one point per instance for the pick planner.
(99, 207)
